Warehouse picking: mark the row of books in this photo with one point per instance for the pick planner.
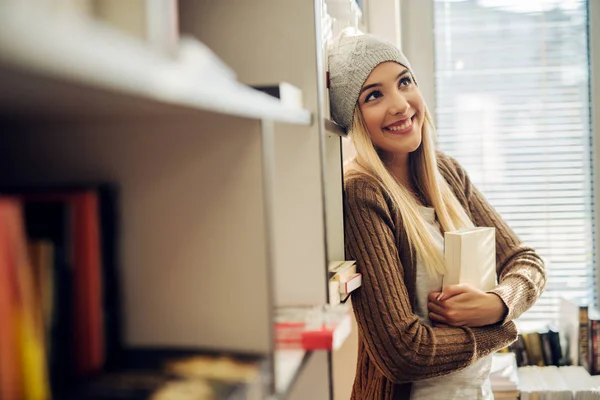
(538, 348)
(534, 382)
(58, 321)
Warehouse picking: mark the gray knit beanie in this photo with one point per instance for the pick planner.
(352, 56)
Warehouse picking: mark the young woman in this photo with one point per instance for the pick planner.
(415, 340)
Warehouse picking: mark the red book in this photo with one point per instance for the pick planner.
(327, 336)
(312, 328)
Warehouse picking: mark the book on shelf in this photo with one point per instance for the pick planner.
(593, 341)
(67, 293)
(341, 270)
(312, 328)
(533, 346)
(348, 286)
(343, 280)
(504, 377)
(470, 257)
(23, 367)
(551, 347)
(519, 350)
(537, 345)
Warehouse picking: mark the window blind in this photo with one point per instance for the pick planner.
(512, 106)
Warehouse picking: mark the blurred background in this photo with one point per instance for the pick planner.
(195, 177)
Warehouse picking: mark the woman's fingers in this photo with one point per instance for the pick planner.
(437, 318)
(436, 308)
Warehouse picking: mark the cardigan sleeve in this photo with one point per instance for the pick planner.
(521, 273)
(401, 347)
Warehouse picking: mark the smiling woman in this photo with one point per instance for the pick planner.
(417, 340)
(393, 110)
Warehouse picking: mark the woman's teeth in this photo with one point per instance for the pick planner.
(400, 127)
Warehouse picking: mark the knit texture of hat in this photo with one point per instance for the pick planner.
(351, 57)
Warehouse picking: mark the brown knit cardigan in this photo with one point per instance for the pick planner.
(394, 348)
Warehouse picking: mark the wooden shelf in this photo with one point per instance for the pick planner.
(58, 65)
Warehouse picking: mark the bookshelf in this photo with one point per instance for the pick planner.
(230, 204)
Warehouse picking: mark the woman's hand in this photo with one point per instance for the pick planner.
(463, 305)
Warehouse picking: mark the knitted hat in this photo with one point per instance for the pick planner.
(352, 56)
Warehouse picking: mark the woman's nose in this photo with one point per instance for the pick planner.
(399, 105)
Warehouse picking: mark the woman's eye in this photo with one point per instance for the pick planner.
(406, 81)
(372, 96)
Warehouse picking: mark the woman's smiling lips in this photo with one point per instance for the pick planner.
(400, 127)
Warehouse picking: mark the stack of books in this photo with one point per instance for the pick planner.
(343, 280)
(504, 376)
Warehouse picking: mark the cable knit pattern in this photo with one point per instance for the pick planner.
(394, 347)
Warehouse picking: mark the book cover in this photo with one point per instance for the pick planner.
(551, 347)
(350, 285)
(470, 257)
(533, 346)
(26, 312)
(518, 349)
(594, 341)
(312, 328)
(341, 270)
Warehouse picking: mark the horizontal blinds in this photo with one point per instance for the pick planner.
(512, 106)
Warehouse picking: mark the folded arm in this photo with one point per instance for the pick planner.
(400, 346)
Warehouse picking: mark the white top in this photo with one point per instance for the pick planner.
(472, 382)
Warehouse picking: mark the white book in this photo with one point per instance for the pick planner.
(350, 285)
(470, 257)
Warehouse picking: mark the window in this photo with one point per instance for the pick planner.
(512, 106)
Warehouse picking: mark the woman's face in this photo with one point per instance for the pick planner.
(393, 109)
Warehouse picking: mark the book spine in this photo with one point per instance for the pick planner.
(547, 349)
(584, 357)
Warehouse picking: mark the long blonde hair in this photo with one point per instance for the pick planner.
(428, 180)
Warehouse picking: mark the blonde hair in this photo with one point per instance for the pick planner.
(428, 181)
